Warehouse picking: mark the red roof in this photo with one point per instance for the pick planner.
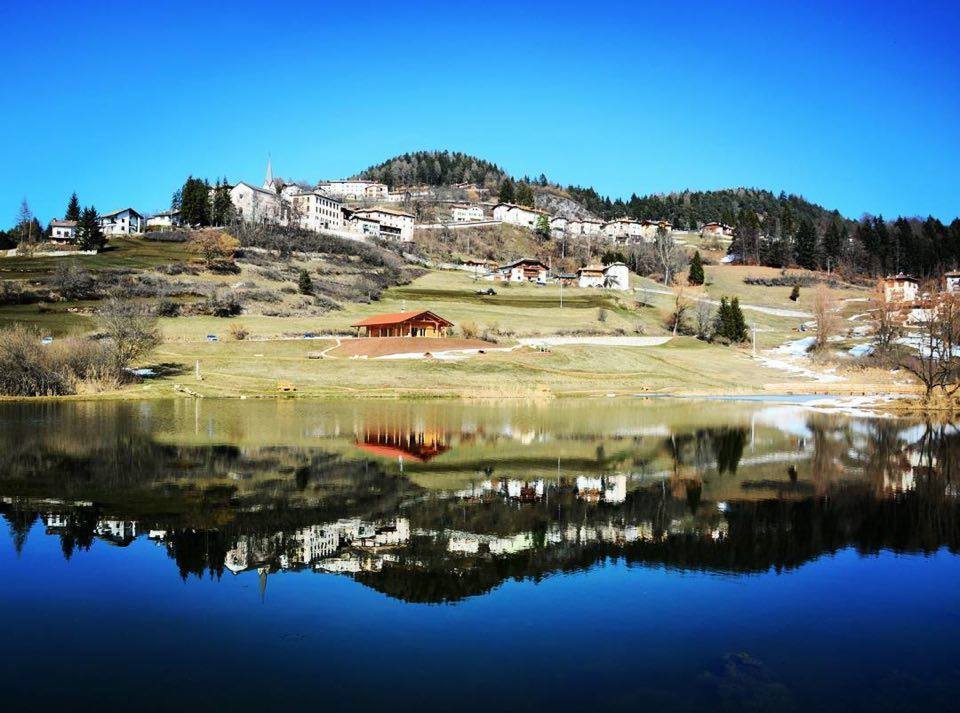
(397, 318)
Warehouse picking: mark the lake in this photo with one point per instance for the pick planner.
(571, 555)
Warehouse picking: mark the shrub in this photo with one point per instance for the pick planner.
(30, 368)
(469, 330)
(601, 315)
(220, 304)
(72, 282)
(239, 332)
(304, 283)
(795, 293)
(167, 308)
(131, 332)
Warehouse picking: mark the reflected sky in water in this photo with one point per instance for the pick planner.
(601, 555)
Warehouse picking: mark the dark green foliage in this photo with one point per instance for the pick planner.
(73, 209)
(434, 168)
(806, 245)
(696, 276)
(89, 234)
(507, 192)
(730, 324)
(222, 208)
(746, 236)
(194, 197)
(835, 240)
(543, 228)
(524, 194)
(304, 283)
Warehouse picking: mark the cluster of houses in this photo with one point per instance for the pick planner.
(902, 292)
(125, 221)
(615, 276)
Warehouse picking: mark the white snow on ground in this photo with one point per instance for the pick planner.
(798, 347)
(860, 350)
(789, 357)
(595, 341)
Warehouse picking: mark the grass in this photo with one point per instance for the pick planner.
(134, 253)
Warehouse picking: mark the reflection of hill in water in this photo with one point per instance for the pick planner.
(726, 498)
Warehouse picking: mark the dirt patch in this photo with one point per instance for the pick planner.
(386, 346)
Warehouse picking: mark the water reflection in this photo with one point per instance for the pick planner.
(433, 504)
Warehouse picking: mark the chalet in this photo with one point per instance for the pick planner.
(466, 213)
(63, 231)
(615, 276)
(404, 324)
(166, 219)
(395, 225)
(521, 215)
(522, 270)
(585, 226)
(715, 230)
(899, 288)
(122, 222)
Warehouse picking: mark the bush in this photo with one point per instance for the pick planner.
(239, 332)
(72, 282)
(30, 368)
(469, 330)
(795, 293)
(304, 283)
(220, 304)
(167, 308)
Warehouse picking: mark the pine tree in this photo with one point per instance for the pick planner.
(222, 205)
(507, 191)
(543, 228)
(696, 270)
(89, 234)
(833, 241)
(304, 283)
(195, 208)
(524, 194)
(73, 209)
(738, 325)
(806, 245)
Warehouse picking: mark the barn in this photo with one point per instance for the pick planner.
(403, 324)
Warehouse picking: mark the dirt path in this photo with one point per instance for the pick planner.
(772, 311)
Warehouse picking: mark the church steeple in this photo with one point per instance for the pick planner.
(268, 181)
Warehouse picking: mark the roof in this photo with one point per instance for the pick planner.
(316, 192)
(521, 207)
(388, 211)
(63, 224)
(398, 318)
(901, 278)
(522, 261)
(165, 213)
(118, 212)
(591, 268)
(255, 188)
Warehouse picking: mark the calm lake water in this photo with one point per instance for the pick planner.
(614, 555)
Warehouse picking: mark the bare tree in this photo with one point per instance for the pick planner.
(670, 257)
(132, 332)
(681, 306)
(825, 316)
(935, 361)
(25, 222)
(886, 321)
(704, 315)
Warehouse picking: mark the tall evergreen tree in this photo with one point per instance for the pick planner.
(696, 277)
(222, 205)
(195, 208)
(805, 248)
(89, 234)
(73, 209)
(834, 240)
(524, 194)
(507, 191)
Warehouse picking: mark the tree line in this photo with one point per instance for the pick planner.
(434, 168)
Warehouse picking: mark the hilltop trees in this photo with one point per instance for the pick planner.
(435, 168)
(194, 202)
(524, 194)
(507, 191)
(729, 323)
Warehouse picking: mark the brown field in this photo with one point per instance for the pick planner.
(385, 346)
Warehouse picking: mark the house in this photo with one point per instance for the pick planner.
(166, 219)
(899, 288)
(951, 281)
(585, 226)
(257, 205)
(122, 222)
(615, 276)
(394, 224)
(623, 229)
(466, 213)
(63, 231)
(558, 224)
(354, 190)
(475, 265)
(522, 270)
(715, 230)
(362, 224)
(649, 228)
(521, 215)
(315, 211)
(404, 324)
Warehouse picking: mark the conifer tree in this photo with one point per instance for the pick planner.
(738, 325)
(507, 192)
(806, 245)
(73, 209)
(543, 228)
(696, 270)
(304, 283)
(833, 241)
(89, 234)
(524, 194)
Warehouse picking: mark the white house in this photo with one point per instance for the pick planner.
(522, 270)
(166, 219)
(517, 214)
(591, 276)
(354, 190)
(623, 229)
(121, 222)
(715, 230)
(256, 205)
(315, 210)
(586, 226)
(63, 231)
(900, 288)
(466, 213)
(363, 225)
(615, 276)
(558, 224)
(394, 224)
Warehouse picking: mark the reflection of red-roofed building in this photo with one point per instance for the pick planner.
(419, 446)
(423, 323)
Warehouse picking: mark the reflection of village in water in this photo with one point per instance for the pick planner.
(701, 498)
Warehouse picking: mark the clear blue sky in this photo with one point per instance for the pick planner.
(855, 105)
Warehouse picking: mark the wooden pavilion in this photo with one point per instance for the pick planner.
(403, 324)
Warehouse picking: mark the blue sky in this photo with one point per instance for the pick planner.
(855, 105)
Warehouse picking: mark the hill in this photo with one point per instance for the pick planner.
(434, 168)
